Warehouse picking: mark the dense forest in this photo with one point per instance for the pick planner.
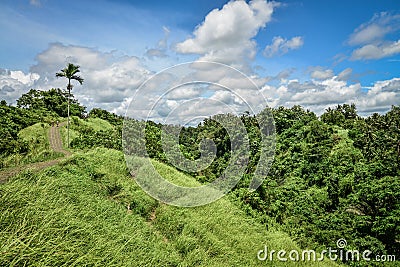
(333, 176)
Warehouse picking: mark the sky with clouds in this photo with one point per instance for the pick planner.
(313, 53)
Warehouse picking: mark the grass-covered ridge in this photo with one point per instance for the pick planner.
(91, 132)
(334, 176)
(89, 211)
(36, 140)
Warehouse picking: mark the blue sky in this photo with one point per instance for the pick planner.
(313, 53)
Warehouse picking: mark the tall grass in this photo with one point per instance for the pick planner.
(97, 124)
(88, 211)
(37, 138)
(77, 125)
(72, 215)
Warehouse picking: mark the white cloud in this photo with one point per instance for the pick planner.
(226, 35)
(112, 86)
(368, 34)
(371, 37)
(111, 81)
(160, 50)
(320, 73)
(317, 95)
(381, 96)
(109, 78)
(198, 89)
(185, 92)
(225, 97)
(154, 53)
(15, 83)
(57, 55)
(281, 46)
(375, 30)
(345, 74)
(281, 76)
(325, 92)
(372, 51)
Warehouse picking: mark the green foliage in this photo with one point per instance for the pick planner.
(37, 147)
(70, 72)
(12, 120)
(107, 116)
(336, 176)
(318, 183)
(66, 216)
(342, 115)
(33, 107)
(378, 201)
(95, 132)
(50, 103)
(287, 117)
(88, 211)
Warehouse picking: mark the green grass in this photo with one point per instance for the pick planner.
(97, 124)
(69, 216)
(87, 211)
(76, 124)
(64, 133)
(39, 147)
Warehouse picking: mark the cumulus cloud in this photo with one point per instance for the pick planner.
(320, 73)
(281, 46)
(161, 48)
(225, 97)
(374, 30)
(109, 78)
(155, 52)
(371, 37)
(15, 83)
(368, 34)
(111, 81)
(345, 75)
(381, 96)
(372, 51)
(329, 91)
(57, 54)
(318, 95)
(185, 92)
(193, 91)
(226, 34)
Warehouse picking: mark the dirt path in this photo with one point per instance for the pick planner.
(55, 144)
(55, 140)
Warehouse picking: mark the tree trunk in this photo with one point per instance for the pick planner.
(69, 92)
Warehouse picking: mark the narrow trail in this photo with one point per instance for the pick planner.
(55, 144)
(55, 140)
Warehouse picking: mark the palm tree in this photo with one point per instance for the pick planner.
(70, 73)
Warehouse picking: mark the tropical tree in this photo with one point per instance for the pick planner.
(70, 73)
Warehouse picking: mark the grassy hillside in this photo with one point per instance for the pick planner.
(90, 132)
(77, 126)
(334, 177)
(89, 211)
(38, 147)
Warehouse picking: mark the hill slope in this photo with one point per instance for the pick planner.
(89, 211)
